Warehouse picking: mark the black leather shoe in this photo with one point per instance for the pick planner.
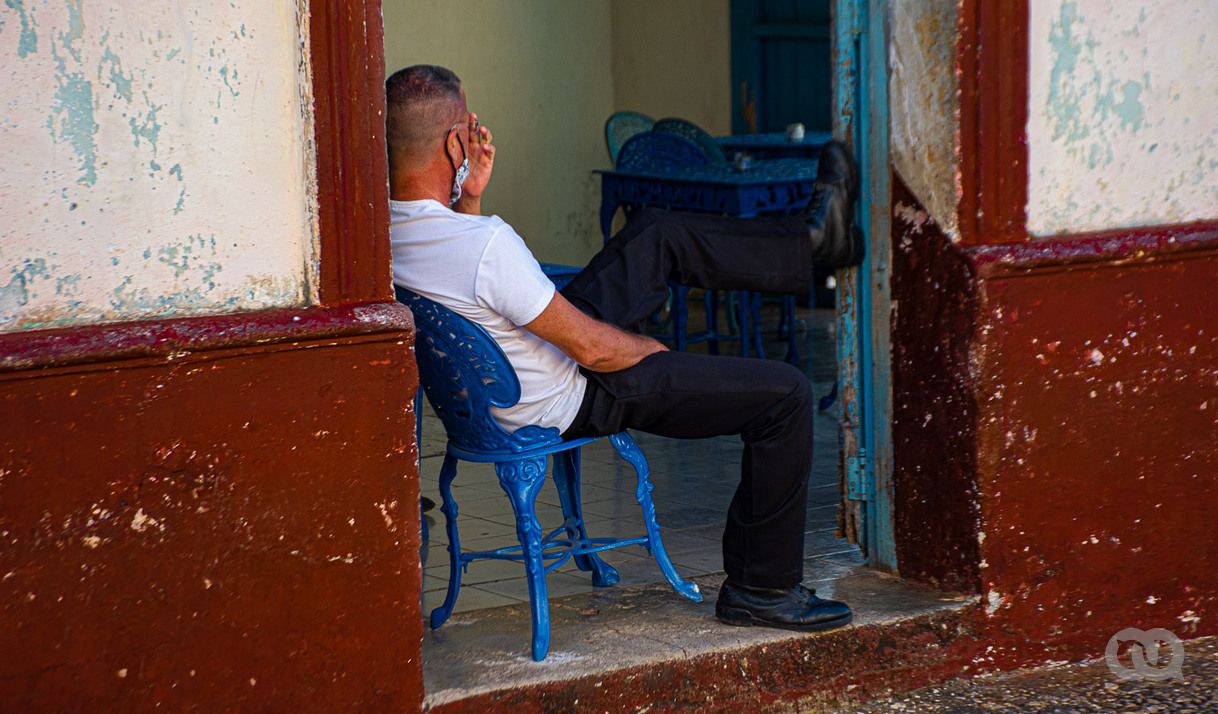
(830, 214)
(795, 608)
(835, 166)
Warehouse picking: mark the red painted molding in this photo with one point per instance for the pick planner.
(1125, 245)
(347, 42)
(22, 351)
(992, 65)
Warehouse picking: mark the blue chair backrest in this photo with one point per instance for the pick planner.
(621, 126)
(559, 274)
(656, 152)
(695, 133)
(465, 373)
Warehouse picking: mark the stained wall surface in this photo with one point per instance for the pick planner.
(210, 534)
(155, 160)
(1122, 115)
(924, 106)
(674, 59)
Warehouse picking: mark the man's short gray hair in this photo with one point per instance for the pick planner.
(422, 101)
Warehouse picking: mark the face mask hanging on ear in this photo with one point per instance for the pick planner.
(462, 174)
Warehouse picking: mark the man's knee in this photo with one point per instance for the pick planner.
(790, 385)
(802, 388)
(650, 216)
(656, 221)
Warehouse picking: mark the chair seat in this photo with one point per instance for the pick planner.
(491, 457)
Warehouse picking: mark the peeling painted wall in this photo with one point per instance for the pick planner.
(924, 105)
(1123, 114)
(156, 160)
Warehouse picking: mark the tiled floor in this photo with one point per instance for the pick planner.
(694, 481)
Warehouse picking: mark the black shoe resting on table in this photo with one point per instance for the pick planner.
(830, 214)
(795, 608)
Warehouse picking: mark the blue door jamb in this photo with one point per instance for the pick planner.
(864, 299)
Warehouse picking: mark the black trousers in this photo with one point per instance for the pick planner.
(678, 394)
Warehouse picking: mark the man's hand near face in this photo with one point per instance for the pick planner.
(481, 163)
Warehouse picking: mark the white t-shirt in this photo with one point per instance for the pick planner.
(479, 268)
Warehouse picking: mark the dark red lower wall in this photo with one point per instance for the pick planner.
(1056, 407)
(220, 530)
(934, 422)
(1098, 462)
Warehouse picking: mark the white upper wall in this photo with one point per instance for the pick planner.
(155, 160)
(1123, 114)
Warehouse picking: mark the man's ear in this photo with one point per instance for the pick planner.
(452, 145)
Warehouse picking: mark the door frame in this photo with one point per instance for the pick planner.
(864, 304)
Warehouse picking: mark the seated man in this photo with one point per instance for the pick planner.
(582, 369)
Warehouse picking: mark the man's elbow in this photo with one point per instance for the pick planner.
(595, 355)
(593, 358)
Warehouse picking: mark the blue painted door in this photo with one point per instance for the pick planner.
(860, 117)
(780, 65)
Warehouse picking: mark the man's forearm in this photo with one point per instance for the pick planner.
(595, 345)
(620, 350)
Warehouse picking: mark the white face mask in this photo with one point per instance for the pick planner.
(462, 173)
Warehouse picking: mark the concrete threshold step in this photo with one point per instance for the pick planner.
(644, 648)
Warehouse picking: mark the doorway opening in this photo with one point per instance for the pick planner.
(552, 100)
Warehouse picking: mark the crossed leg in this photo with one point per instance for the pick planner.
(682, 395)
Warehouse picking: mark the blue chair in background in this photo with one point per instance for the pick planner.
(560, 274)
(660, 152)
(465, 374)
(683, 127)
(621, 126)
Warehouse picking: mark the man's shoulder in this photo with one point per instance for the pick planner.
(428, 210)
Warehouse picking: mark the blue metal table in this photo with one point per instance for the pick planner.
(774, 145)
(777, 186)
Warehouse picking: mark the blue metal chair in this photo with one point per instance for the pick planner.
(620, 126)
(659, 152)
(560, 274)
(683, 127)
(464, 374)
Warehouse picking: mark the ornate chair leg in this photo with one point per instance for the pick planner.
(448, 472)
(522, 480)
(630, 452)
(711, 300)
(744, 319)
(566, 479)
(755, 307)
(788, 309)
(680, 317)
